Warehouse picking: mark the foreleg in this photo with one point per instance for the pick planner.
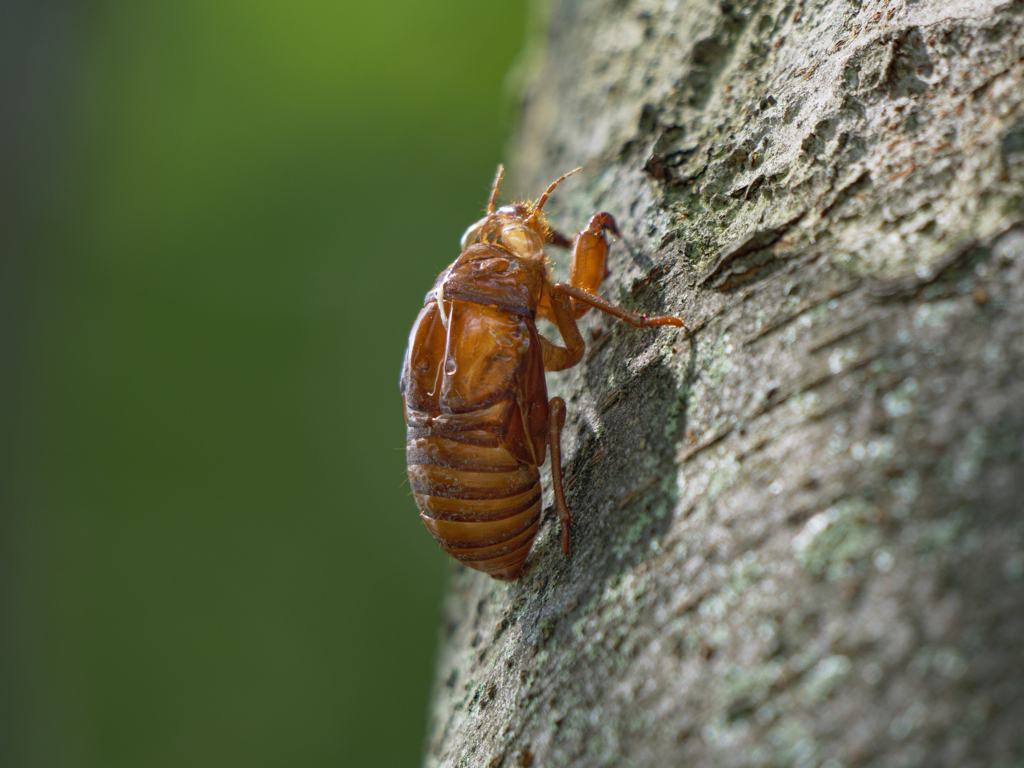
(590, 257)
(639, 320)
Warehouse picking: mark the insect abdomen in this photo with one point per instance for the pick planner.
(481, 505)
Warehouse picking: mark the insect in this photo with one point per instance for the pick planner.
(478, 419)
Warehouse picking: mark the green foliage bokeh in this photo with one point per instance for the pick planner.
(214, 558)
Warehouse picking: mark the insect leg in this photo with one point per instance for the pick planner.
(555, 425)
(588, 266)
(589, 257)
(639, 320)
(557, 238)
(558, 358)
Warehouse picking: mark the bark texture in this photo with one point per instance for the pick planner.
(799, 538)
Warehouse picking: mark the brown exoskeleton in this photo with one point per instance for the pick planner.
(477, 413)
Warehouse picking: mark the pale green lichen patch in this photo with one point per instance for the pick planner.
(947, 661)
(824, 678)
(905, 490)
(745, 690)
(805, 403)
(877, 451)
(843, 534)
(840, 357)
(911, 718)
(971, 455)
(675, 410)
(935, 314)
(793, 743)
(724, 475)
(744, 573)
(939, 535)
(718, 363)
(1013, 567)
(900, 401)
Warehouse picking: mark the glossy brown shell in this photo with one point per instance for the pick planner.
(476, 410)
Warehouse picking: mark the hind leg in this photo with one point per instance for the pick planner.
(555, 425)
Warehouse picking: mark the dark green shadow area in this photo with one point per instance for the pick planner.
(210, 557)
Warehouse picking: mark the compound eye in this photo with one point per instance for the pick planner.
(471, 235)
(522, 241)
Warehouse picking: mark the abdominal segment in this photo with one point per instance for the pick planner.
(480, 503)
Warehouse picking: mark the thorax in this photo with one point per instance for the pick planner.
(488, 274)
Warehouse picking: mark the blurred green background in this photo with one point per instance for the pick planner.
(219, 220)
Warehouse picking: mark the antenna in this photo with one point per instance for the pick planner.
(548, 191)
(494, 190)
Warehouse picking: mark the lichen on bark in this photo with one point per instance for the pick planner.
(799, 535)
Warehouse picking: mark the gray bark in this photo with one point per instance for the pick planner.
(799, 536)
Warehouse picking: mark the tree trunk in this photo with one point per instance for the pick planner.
(799, 538)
